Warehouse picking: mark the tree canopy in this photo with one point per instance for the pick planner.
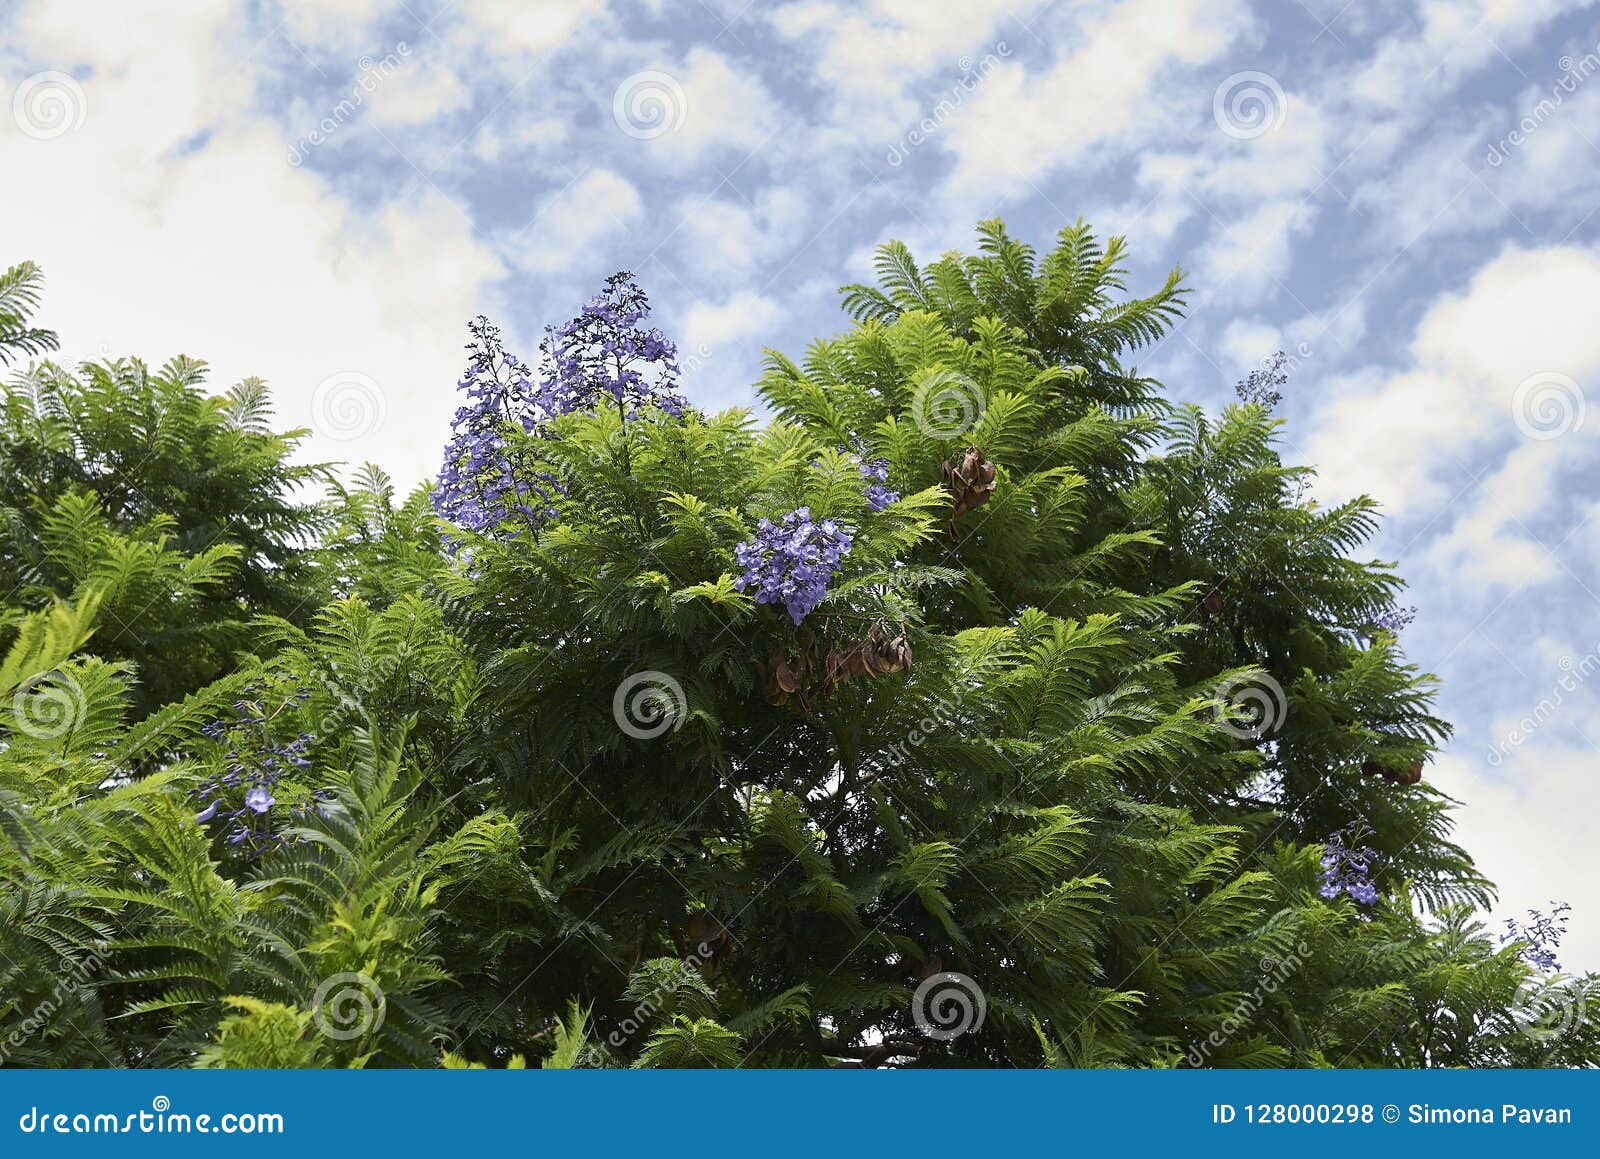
(978, 706)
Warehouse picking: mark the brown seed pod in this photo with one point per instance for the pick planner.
(886, 654)
(783, 675)
(969, 482)
(1409, 775)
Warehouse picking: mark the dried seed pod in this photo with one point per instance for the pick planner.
(887, 654)
(769, 685)
(970, 483)
(789, 675)
(783, 675)
(1409, 775)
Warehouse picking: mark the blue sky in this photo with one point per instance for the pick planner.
(1405, 197)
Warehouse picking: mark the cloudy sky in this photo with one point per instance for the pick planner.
(1404, 196)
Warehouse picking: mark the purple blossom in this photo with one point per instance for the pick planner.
(790, 563)
(606, 356)
(492, 480)
(875, 470)
(1540, 936)
(1347, 866)
(1395, 619)
(483, 486)
(1261, 385)
(252, 764)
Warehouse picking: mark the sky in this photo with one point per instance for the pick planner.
(1402, 196)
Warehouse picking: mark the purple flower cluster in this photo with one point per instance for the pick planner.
(875, 470)
(242, 794)
(1540, 936)
(1347, 866)
(480, 486)
(606, 352)
(491, 479)
(1395, 619)
(790, 563)
(1261, 385)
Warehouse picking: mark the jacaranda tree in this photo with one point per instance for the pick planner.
(978, 707)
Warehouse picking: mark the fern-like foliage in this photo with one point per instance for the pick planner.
(327, 784)
(20, 289)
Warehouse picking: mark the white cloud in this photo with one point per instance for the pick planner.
(1102, 94)
(1290, 160)
(496, 141)
(1529, 825)
(1490, 541)
(720, 326)
(340, 26)
(1242, 260)
(728, 107)
(724, 236)
(226, 252)
(720, 340)
(1526, 313)
(680, 111)
(868, 54)
(572, 221)
(1246, 341)
(1448, 44)
(520, 31)
(424, 88)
